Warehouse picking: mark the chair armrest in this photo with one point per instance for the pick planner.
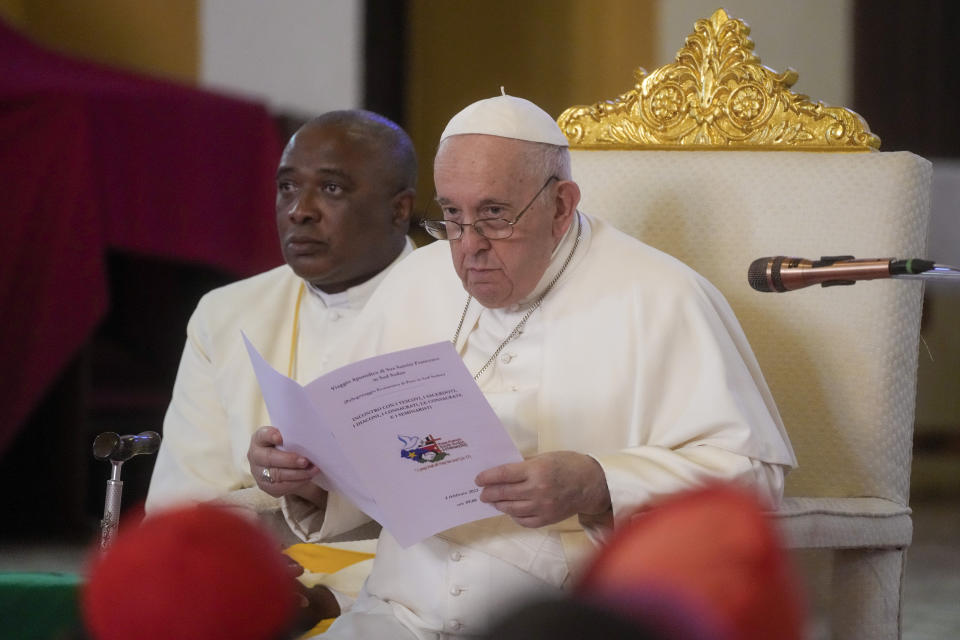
(844, 523)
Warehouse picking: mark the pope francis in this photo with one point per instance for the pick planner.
(621, 375)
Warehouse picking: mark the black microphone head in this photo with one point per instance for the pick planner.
(146, 442)
(110, 446)
(757, 275)
(143, 443)
(105, 444)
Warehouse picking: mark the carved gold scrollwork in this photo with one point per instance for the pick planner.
(716, 94)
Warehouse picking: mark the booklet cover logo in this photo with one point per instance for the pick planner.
(428, 448)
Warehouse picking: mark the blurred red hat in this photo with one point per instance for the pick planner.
(199, 572)
(703, 564)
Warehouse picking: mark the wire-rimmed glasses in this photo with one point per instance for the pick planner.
(490, 228)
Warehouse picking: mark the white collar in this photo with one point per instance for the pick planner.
(355, 297)
(558, 257)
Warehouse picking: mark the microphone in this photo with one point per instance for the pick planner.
(118, 449)
(781, 273)
(110, 446)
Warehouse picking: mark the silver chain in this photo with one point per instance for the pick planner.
(519, 328)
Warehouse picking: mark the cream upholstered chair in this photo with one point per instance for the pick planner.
(714, 160)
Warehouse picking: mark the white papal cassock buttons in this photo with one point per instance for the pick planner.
(456, 556)
(506, 358)
(455, 591)
(455, 625)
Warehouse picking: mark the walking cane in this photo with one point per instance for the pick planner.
(118, 449)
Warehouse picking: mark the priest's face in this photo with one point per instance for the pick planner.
(480, 176)
(336, 204)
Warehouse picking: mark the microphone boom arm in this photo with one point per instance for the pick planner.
(782, 273)
(937, 273)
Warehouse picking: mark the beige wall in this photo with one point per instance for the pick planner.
(13, 12)
(153, 36)
(556, 53)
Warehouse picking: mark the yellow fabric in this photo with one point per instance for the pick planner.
(319, 558)
(295, 334)
(321, 627)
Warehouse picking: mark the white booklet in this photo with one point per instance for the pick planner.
(403, 435)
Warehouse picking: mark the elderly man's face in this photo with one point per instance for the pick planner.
(335, 207)
(480, 176)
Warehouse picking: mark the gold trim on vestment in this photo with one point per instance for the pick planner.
(295, 333)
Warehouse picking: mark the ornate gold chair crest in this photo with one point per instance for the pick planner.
(717, 95)
(714, 160)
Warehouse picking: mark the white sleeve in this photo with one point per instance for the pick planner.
(338, 521)
(643, 476)
(194, 462)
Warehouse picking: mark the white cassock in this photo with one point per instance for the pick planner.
(633, 358)
(217, 405)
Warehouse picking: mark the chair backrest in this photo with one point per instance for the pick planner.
(720, 192)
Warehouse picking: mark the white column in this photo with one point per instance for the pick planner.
(302, 57)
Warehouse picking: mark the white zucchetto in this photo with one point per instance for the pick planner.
(507, 117)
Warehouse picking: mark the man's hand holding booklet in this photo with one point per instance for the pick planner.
(403, 435)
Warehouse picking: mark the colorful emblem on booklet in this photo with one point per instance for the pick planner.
(421, 449)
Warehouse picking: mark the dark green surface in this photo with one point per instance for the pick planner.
(38, 606)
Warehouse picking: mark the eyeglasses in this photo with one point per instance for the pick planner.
(489, 228)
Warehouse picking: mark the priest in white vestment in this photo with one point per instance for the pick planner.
(621, 375)
(345, 190)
